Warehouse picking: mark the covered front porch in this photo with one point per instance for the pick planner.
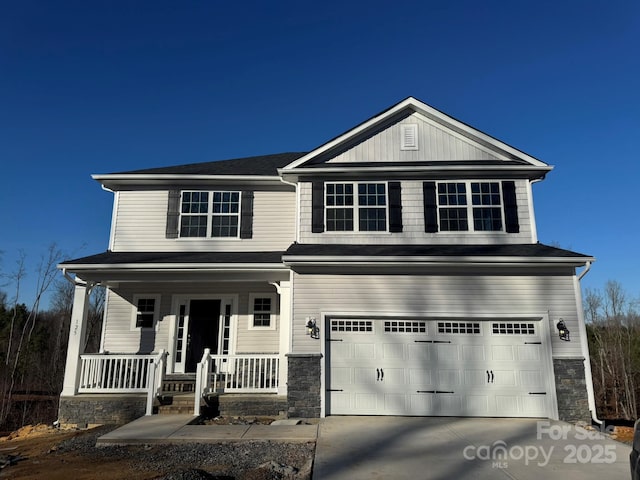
(224, 328)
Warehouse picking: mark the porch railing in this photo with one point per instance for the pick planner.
(123, 373)
(236, 374)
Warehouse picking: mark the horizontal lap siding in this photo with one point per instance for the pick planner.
(435, 295)
(118, 336)
(413, 223)
(141, 218)
(434, 142)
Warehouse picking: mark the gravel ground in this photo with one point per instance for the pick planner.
(228, 460)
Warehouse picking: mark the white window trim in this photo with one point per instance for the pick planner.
(355, 207)
(272, 316)
(134, 311)
(210, 215)
(469, 207)
(407, 132)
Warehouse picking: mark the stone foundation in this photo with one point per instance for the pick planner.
(241, 405)
(303, 385)
(571, 390)
(88, 410)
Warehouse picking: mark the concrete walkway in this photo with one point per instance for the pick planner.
(475, 448)
(177, 429)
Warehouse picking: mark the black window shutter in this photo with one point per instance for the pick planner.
(510, 207)
(317, 207)
(173, 214)
(395, 207)
(430, 207)
(246, 214)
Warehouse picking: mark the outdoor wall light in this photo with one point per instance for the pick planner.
(563, 331)
(312, 329)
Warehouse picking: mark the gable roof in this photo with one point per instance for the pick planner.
(258, 168)
(485, 149)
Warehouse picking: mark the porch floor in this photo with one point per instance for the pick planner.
(158, 429)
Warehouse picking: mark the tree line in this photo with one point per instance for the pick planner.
(33, 345)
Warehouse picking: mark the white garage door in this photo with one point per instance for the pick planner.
(492, 368)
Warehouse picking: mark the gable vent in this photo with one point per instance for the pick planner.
(409, 137)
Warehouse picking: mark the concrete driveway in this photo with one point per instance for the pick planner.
(419, 448)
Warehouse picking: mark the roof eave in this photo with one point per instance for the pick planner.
(170, 267)
(115, 181)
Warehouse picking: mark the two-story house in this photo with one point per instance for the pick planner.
(394, 270)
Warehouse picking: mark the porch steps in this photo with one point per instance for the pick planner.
(173, 404)
(179, 383)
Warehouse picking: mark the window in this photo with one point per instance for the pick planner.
(262, 307)
(513, 328)
(351, 326)
(145, 312)
(472, 328)
(210, 214)
(469, 206)
(405, 326)
(360, 207)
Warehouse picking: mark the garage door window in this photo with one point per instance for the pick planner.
(511, 328)
(351, 326)
(401, 326)
(472, 328)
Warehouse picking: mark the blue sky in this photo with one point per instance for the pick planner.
(99, 87)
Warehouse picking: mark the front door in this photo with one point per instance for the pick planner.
(203, 330)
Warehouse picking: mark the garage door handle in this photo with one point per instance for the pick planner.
(489, 376)
(380, 374)
(537, 393)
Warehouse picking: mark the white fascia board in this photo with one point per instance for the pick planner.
(417, 168)
(112, 180)
(442, 260)
(436, 115)
(175, 267)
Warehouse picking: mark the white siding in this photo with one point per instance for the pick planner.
(119, 337)
(141, 219)
(434, 143)
(315, 295)
(413, 223)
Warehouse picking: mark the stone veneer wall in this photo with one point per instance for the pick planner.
(303, 385)
(571, 390)
(238, 405)
(86, 410)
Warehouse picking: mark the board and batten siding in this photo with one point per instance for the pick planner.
(462, 296)
(413, 231)
(119, 337)
(141, 218)
(435, 142)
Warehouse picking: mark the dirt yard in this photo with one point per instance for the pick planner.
(42, 452)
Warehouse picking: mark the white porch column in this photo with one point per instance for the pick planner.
(285, 333)
(77, 333)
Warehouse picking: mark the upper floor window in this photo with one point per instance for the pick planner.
(470, 206)
(210, 214)
(360, 207)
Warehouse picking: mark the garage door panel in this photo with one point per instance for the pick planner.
(419, 352)
(473, 353)
(364, 376)
(531, 378)
(341, 376)
(421, 404)
(475, 378)
(447, 352)
(477, 405)
(364, 351)
(366, 402)
(393, 351)
(529, 352)
(504, 378)
(502, 353)
(392, 377)
(420, 377)
(449, 404)
(449, 378)
(534, 403)
(507, 405)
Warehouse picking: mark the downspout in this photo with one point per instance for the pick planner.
(585, 346)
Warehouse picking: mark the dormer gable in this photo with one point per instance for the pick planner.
(414, 137)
